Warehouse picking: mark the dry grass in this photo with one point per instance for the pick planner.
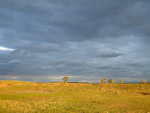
(31, 97)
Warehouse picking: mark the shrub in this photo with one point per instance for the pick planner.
(111, 81)
(103, 80)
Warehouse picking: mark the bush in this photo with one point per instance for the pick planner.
(111, 81)
(103, 80)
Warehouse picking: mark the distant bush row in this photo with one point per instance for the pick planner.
(103, 80)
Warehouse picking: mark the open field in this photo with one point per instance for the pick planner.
(31, 97)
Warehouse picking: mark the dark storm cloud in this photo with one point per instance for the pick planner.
(76, 37)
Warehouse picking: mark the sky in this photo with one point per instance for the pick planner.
(44, 40)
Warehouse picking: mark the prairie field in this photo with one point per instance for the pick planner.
(33, 97)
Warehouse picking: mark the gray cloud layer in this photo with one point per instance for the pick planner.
(96, 38)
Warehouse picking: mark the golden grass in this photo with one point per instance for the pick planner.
(32, 97)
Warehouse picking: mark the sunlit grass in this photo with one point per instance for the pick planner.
(31, 97)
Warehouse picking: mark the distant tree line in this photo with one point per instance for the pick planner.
(103, 80)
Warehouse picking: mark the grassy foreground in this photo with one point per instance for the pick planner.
(31, 97)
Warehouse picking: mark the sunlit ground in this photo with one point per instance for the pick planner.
(31, 97)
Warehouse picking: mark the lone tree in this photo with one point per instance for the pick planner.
(121, 81)
(103, 80)
(111, 81)
(65, 79)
